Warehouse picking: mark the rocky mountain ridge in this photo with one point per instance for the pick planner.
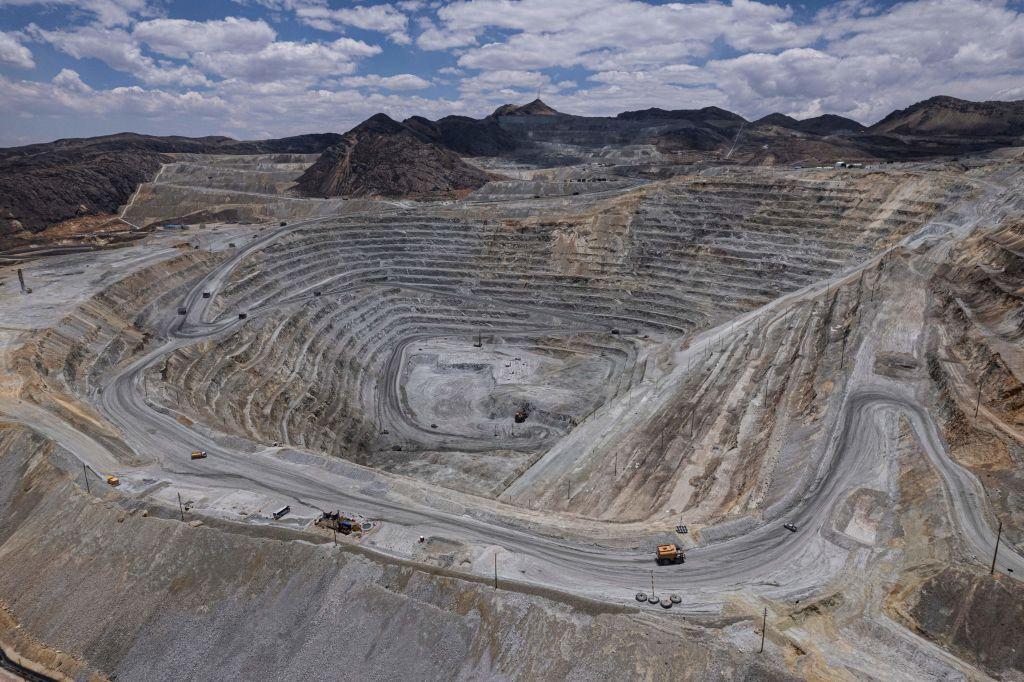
(382, 157)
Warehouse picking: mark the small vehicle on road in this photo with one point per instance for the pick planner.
(669, 554)
(791, 527)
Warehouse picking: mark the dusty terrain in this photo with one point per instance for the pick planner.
(520, 393)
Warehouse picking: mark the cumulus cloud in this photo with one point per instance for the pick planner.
(107, 12)
(604, 33)
(402, 81)
(13, 53)
(118, 49)
(854, 57)
(69, 80)
(228, 49)
(860, 58)
(181, 38)
(384, 18)
(67, 96)
(507, 78)
(301, 62)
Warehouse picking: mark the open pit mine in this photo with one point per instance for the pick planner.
(669, 395)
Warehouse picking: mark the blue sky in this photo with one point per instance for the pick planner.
(258, 68)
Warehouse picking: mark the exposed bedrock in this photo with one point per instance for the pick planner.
(394, 340)
(161, 600)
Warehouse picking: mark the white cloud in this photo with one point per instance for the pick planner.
(233, 74)
(402, 81)
(434, 38)
(179, 38)
(67, 98)
(68, 80)
(504, 81)
(107, 12)
(118, 50)
(603, 33)
(12, 52)
(853, 58)
(251, 53)
(381, 18)
(302, 62)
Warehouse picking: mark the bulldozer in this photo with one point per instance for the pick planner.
(669, 554)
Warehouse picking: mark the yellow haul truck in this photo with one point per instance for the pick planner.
(670, 554)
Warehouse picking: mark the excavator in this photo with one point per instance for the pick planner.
(670, 554)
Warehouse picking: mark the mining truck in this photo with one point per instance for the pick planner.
(670, 554)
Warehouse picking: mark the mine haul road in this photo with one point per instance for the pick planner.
(766, 558)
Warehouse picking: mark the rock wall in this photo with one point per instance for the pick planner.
(116, 590)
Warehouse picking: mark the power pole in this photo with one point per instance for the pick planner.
(181, 510)
(999, 534)
(85, 475)
(568, 485)
(764, 627)
(977, 405)
(21, 280)
(495, 570)
(652, 583)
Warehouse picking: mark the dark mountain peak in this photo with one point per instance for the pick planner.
(719, 112)
(829, 124)
(826, 124)
(949, 116)
(382, 157)
(715, 116)
(943, 101)
(378, 123)
(534, 108)
(777, 119)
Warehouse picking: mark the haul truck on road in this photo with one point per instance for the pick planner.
(669, 554)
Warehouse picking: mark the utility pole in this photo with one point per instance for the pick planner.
(85, 474)
(977, 405)
(999, 534)
(21, 280)
(335, 535)
(764, 627)
(568, 485)
(495, 570)
(652, 583)
(181, 509)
